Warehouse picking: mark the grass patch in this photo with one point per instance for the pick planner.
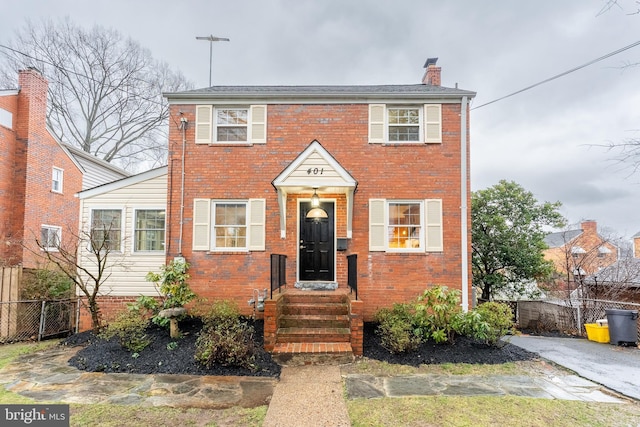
(134, 415)
(378, 368)
(456, 411)
(8, 352)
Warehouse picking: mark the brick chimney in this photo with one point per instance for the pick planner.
(432, 73)
(32, 102)
(589, 226)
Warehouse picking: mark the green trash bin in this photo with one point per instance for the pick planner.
(623, 326)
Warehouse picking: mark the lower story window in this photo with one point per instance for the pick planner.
(405, 225)
(230, 225)
(106, 229)
(50, 237)
(149, 230)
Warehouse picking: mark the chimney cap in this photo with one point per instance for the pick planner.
(430, 61)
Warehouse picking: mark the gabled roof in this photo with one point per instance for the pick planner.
(96, 171)
(363, 93)
(124, 182)
(561, 238)
(624, 271)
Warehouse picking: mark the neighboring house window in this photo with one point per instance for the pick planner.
(405, 225)
(149, 230)
(229, 225)
(56, 180)
(50, 237)
(231, 124)
(106, 229)
(396, 124)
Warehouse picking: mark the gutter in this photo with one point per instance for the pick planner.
(464, 209)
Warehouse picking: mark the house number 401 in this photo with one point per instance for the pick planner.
(315, 171)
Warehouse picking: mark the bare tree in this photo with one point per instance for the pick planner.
(86, 258)
(105, 91)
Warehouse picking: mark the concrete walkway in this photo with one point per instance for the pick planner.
(615, 367)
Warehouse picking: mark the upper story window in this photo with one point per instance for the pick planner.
(396, 124)
(50, 237)
(106, 229)
(229, 225)
(231, 124)
(149, 230)
(56, 180)
(405, 225)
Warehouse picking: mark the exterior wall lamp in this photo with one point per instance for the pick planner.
(316, 213)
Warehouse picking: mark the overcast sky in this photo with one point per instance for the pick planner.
(546, 139)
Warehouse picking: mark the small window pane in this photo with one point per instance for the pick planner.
(231, 124)
(50, 237)
(56, 180)
(149, 230)
(230, 225)
(106, 229)
(404, 124)
(404, 225)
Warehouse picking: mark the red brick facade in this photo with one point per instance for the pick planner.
(28, 155)
(390, 171)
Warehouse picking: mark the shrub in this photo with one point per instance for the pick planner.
(173, 288)
(130, 328)
(44, 284)
(396, 329)
(225, 339)
(438, 314)
(499, 320)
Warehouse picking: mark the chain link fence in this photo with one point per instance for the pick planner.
(36, 320)
(566, 316)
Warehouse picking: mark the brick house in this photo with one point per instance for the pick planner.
(578, 253)
(39, 175)
(316, 174)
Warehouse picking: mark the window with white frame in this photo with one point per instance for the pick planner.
(56, 180)
(50, 237)
(106, 229)
(149, 230)
(231, 124)
(397, 124)
(229, 225)
(405, 225)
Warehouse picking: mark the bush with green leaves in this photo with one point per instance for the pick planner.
(174, 291)
(225, 338)
(396, 328)
(498, 318)
(45, 284)
(438, 314)
(130, 329)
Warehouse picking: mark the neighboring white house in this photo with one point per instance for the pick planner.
(133, 210)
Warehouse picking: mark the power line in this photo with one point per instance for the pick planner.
(608, 55)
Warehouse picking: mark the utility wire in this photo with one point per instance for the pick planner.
(608, 55)
(153, 101)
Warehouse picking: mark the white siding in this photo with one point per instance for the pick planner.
(127, 270)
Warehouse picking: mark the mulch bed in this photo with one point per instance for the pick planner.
(99, 355)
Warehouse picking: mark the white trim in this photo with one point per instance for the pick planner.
(61, 180)
(201, 218)
(204, 124)
(124, 182)
(134, 217)
(423, 225)
(123, 225)
(212, 227)
(58, 230)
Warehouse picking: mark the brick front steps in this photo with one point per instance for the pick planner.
(312, 327)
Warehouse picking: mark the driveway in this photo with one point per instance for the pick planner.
(615, 367)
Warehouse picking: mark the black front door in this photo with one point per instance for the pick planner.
(316, 251)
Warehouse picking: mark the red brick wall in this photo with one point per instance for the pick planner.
(25, 192)
(395, 171)
(10, 225)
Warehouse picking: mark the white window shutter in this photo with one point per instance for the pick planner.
(377, 225)
(376, 123)
(204, 119)
(434, 225)
(257, 224)
(201, 221)
(433, 123)
(259, 124)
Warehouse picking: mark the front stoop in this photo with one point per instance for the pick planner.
(314, 328)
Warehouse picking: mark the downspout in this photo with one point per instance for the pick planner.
(464, 223)
(183, 126)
